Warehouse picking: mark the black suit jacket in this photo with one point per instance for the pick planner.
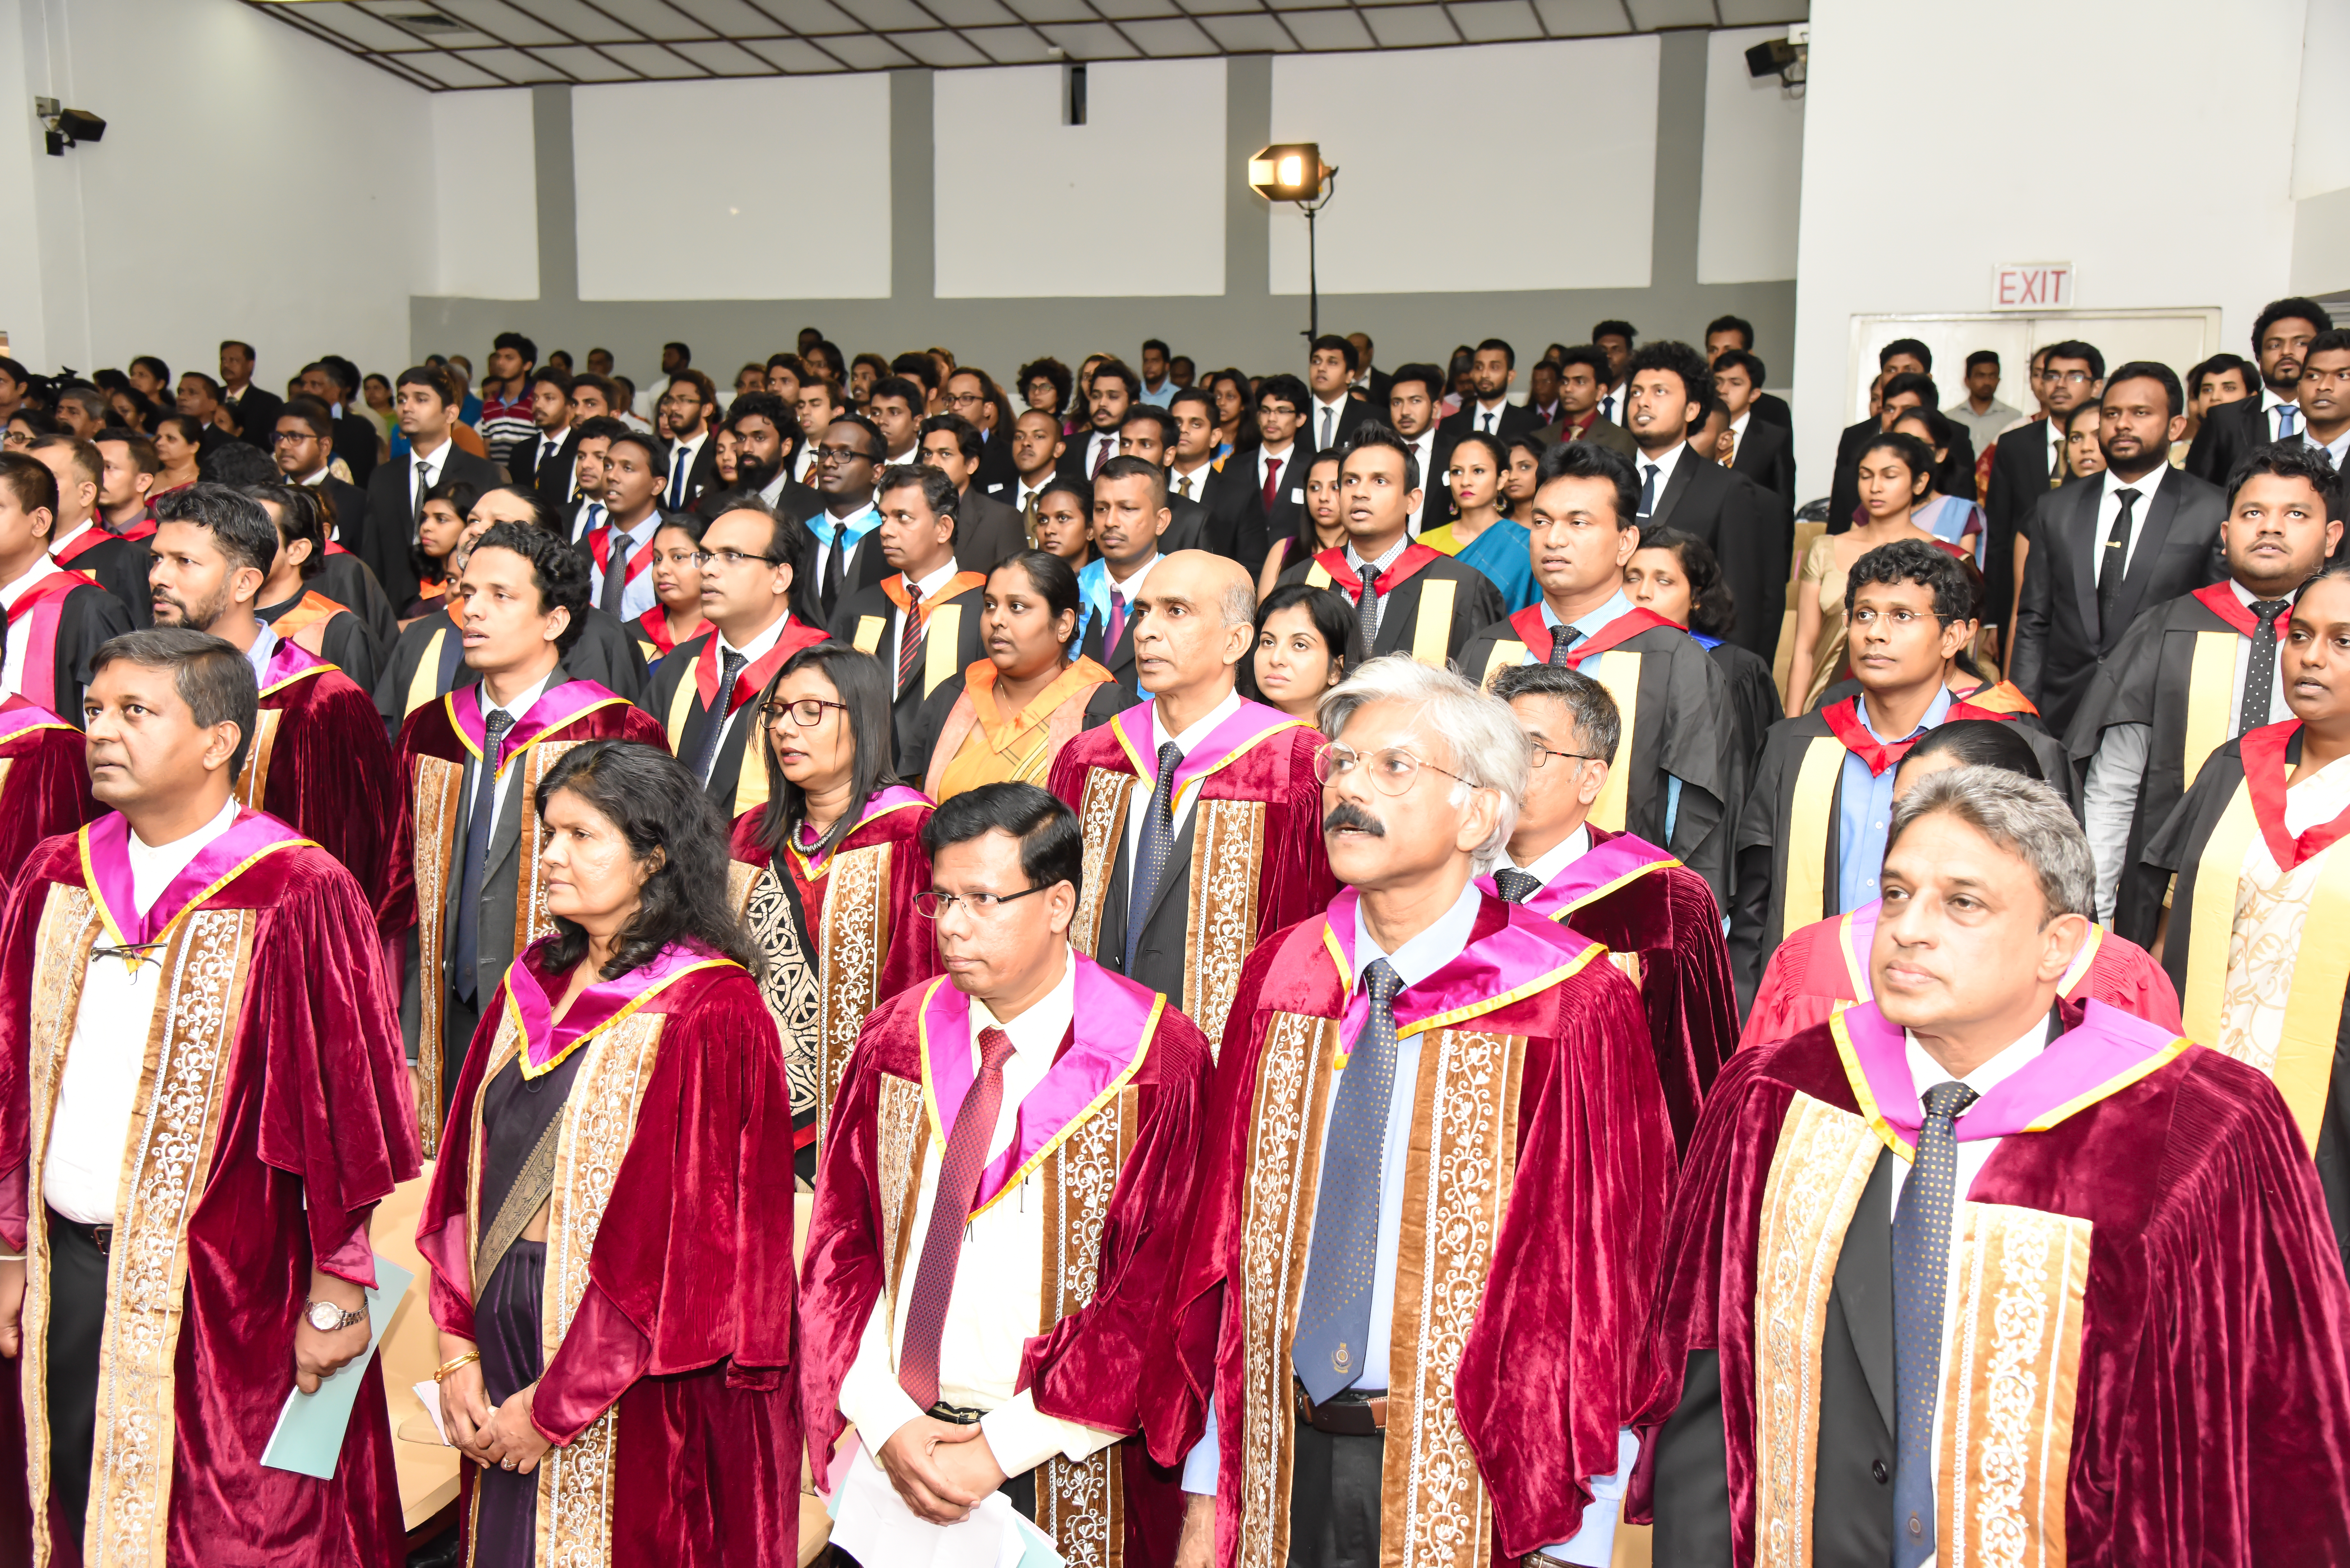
(865, 620)
(994, 463)
(1241, 525)
(256, 414)
(357, 436)
(1516, 420)
(1073, 464)
(700, 479)
(1353, 414)
(391, 516)
(865, 569)
(2060, 640)
(2019, 481)
(352, 519)
(1766, 454)
(1955, 477)
(2230, 431)
(1751, 531)
(1772, 409)
(988, 533)
(552, 481)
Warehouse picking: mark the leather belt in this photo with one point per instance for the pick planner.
(954, 1415)
(1355, 1413)
(98, 1236)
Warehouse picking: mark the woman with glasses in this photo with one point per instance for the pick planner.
(610, 1241)
(1483, 535)
(1303, 634)
(826, 870)
(1007, 717)
(1235, 413)
(1045, 386)
(676, 616)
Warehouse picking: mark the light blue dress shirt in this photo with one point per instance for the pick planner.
(1589, 626)
(1863, 806)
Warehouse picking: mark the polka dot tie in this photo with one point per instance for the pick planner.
(1334, 1316)
(1517, 886)
(1921, 1263)
(2260, 670)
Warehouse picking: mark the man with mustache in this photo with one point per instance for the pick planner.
(1415, 1292)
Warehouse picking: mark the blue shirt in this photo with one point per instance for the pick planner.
(1863, 806)
(1616, 606)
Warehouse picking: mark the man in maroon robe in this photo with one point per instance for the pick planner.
(318, 760)
(202, 1106)
(1199, 808)
(1410, 1317)
(1971, 1273)
(1658, 917)
(1005, 1193)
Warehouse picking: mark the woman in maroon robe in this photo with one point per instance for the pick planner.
(610, 1184)
(826, 871)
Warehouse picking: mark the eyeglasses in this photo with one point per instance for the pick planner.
(807, 713)
(1542, 755)
(1392, 769)
(932, 904)
(2068, 377)
(840, 454)
(289, 438)
(965, 400)
(730, 559)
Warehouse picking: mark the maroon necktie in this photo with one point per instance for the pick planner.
(1101, 455)
(1271, 480)
(959, 1169)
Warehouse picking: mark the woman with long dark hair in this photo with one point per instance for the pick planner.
(1303, 634)
(609, 1236)
(1006, 718)
(826, 871)
(1677, 576)
(440, 525)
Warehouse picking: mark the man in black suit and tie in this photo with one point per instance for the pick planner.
(1116, 387)
(1494, 368)
(2027, 463)
(256, 411)
(988, 533)
(1191, 461)
(1036, 445)
(426, 402)
(2280, 340)
(1614, 339)
(303, 446)
(1750, 529)
(1727, 333)
(1762, 451)
(1332, 414)
(1149, 433)
(768, 438)
(2136, 535)
(843, 559)
(1415, 396)
(545, 464)
(691, 456)
(972, 393)
(1261, 488)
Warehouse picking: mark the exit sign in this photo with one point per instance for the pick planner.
(2031, 286)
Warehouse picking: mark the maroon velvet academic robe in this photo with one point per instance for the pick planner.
(44, 781)
(2204, 1355)
(320, 764)
(281, 995)
(1089, 1363)
(669, 1393)
(1539, 1219)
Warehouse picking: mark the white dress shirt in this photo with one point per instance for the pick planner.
(97, 1089)
(1022, 491)
(1612, 401)
(424, 470)
(2109, 507)
(550, 444)
(62, 541)
(20, 633)
(263, 649)
(1423, 447)
(2270, 423)
(1738, 433)
(682, 454)
(803, 459)
(1137, 807)
(521, 705)
(997, 1303)
(1292, 484)
(1128, 590)
(1486, 418)
(757, 648)
(924, 590)
(1190, 483)
(1664, 465)
(2117, 771)
(1100, 447)
(637, 594)
(1560, 856)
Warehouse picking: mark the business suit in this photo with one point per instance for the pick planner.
(551, 479)
(1515, 420)
(994, 463)
(1766, 454)
(866, 619)
(865, 567)
(2229, 433)
(988, 533)
(1373, 389)
(1750, 531)
(357, 434)
(1240, 523)
(1072, 464)
(1352, 415)
(2020, 467)
(1436, 508)
(256, 414)
(1955, 476)
(392, 512)
(700, 478)
(1772, 409)
(1600, 432)
(2059, 638)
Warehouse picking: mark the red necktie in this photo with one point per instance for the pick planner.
(1101, 455)
(959, 1169)
(1271, 480)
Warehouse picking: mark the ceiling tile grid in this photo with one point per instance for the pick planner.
(458, 44)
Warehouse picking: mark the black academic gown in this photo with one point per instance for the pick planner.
(428, 661)
(89, 617)
(345, 641)
(121, 567)
(1476, 604)
(866, 620)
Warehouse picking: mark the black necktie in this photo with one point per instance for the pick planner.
(1367, 609)
(731, 665)
(2260, 670)
(1922, 1263)
(1563, 640)
(477, 854)
(2113, 565)
(1517, 886)
(1158, 843)
(836, 557)
(1647, 488)
(424, 483)
(616, 573)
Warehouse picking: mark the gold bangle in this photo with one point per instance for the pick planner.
(448, 1367)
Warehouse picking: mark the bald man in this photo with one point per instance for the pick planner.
(1199, 809)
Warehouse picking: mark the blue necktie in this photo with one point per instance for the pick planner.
(1921, 1263)
(2288, 424)
(677, 482)
(1158, 843)
(1334, 1316)
(477, 854)
(1647, 488)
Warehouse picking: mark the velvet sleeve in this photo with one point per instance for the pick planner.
(1697, 1005)
(1548, 1374)
(2126, 975)
(601, 1354)
(841, 1272)
(636, 724)
(1295, 881)
(913, 955)
(335, 781)
(335, 1106)
(1781, 1005)
(1090, 1366)
(20, 924)
(48, 793)
(395, 909)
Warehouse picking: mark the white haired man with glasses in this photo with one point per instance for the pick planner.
(1005, 1187)
(1417, 1282)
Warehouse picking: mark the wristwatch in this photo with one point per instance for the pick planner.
(328, 1318)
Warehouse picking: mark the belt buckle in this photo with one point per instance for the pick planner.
(954, 1415)
(102, 1237)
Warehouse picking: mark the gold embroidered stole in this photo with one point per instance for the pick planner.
(252, 783)
(1434, 1509)
(2011, 1352)
(788, 984)
(854, 940)
(531, 919)
(576, 1482)
(1227, 859)
(174, 1132)
(1080, 1504)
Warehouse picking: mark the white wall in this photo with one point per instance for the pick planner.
(1451, 166)
(181, 227)
(1753, 167)
(1068, 237)
(1861, 251)
(682, 193)
(485, 195)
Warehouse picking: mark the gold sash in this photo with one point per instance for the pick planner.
(1101, 823)
(252, 783)
(175, 1131)
(424, 685)
(1431, 627)
(439, 801)
(1619, 670)
(2210, 706)
(1434, 1510)
(2011, 1352)
(1804, 902)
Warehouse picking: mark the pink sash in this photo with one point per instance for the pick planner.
(19, 716)
(1526, 953)
(1115, 1024)
(106, 871)
(1599, 872)
(556, 707)
(603, 1005)
(1226, 743)
(290, 662)
(45, 602)
(2109, 1052)
(896, 797)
